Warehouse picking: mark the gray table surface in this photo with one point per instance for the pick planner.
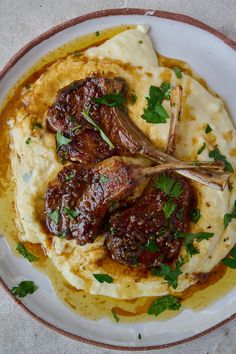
(22, 20)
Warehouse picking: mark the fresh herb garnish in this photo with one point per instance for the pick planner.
(217, 156)
(37, 125)
(72, 175)
(133, 98)
(180, 214)
(189, 238)
(228, 217)
(103, 278)
(24, 288)
(151, 245)
(155, 112)
(102, 134)
(168, 208)
(28, 141)
(169, 186)
(133, 260)
(115, 315)
(195, 215)
(25, 253)
(116, 100)
(103, 179)
(54, 216)
(202, 148)
(76, 128)
(140, 42)
(170, 274)
(166, 88)
(139, 336)
(167, 302)
(97, 33)
(208, 129)
(62, 140)
(178, 72)
(71, 213)
(230, 261)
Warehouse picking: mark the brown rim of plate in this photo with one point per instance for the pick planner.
(112, 12)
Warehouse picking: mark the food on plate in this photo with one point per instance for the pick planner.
(125, 172)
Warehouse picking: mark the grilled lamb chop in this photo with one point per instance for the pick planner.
(143, 234)
(67, 115)
(78, 201)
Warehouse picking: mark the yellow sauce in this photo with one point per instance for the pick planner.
(213, 287)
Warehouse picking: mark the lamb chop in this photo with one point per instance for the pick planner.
(94, 132)
(78, 201)
(144, 233)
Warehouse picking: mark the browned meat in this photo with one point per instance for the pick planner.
(79, 199)
(87, 145)
(142, 235)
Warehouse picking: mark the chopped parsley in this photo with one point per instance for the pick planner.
(217, 156)
(115, 100)
(103, 179)
(133, 97)
(195, 215)
(71, 213)
(62, 140)
(202, 148)
(229, 216)
(166, 88)
(28, 141)
(102, 134)
(103, 278)
(25, 253)
(115, 315)
(37, 125)
(168, 208)
(54, 216)
(76, 128)
(230, 261)
(97, 33)
(24, 288)
(139, 336)
(170, 274)
(151, 245)
(169, 186)
(155, 112)
(189, 238)
(72, 175)
(167, 302)
(178, 72)
(140, 42)
(208, 129)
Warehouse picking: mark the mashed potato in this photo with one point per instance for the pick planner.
(35, 164)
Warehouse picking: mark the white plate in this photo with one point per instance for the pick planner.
(213, 57)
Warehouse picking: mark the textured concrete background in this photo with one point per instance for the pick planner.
(21, 21)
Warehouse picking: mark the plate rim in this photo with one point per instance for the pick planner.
(49, 33)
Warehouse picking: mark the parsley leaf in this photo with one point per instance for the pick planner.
(189, 238)
(26, 254)
(72, 175)
(155, 112)
(102, 134)
(201, 148)
(170, 274)
(54, 216)
(103, 278)
(28, 141)
(178, 72)
(103, 179)
(115, 315)
(37, 125)
(228, 217)
(208, 129)
(167, 302)
(169, 186)
(151, 245)
(71, 213)
(97, 33)
(217, 156)
(166, 88)
(116, 100)
(168, 208)
(62, 140)
(133, 98)
(140, 42)
(195, 215)
(191, 249)
(139, 336)
(230, 261)
(24, 288)
(160, 110)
